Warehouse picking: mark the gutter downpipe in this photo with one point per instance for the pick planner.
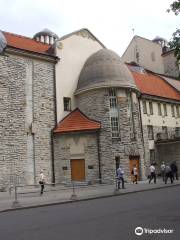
(141, 126)
(55, 123)
(99, 156)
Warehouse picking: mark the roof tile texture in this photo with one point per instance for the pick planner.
(76, 121)
(25, 43)
(151, 84)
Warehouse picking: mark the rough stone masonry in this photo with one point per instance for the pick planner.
(27, 116)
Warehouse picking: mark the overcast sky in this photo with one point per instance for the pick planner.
(111, 21)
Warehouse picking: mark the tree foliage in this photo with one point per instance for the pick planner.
(175, 7)
(175, 44)
(175, 41)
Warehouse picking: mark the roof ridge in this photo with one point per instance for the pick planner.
(68, 123)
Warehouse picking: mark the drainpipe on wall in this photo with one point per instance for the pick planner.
(141, 127)
(55, 123)
(52, 154)
(33, 134)
(99, 156)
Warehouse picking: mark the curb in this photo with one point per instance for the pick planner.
(116, 194)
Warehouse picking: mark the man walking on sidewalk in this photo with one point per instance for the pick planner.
(120, 177)
(169, 174)
(42, 181)
(163, 171)
(153, 173)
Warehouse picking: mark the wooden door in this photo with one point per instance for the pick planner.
(78, 170)
(132, 162)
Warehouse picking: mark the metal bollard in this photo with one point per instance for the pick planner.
(16, 202)
(73, 196)
(116, 187)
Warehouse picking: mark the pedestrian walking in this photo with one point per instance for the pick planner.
(174, 170)
(135, 174)
(120, 177)
(42, 181)
(152, 173)
(168, 173)
(163, 167)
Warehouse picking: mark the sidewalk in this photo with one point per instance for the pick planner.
(55, 195)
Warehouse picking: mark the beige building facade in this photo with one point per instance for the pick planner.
(153, 55)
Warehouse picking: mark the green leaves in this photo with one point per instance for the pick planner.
(175, 7)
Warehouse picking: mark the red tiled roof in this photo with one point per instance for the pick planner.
(154, 85)
(76, 121)
(25, 43)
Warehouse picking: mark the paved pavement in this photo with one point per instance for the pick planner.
(28, 197)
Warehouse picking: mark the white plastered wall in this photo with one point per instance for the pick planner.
(159, 121)
(73, 51)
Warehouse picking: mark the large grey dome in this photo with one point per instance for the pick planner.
(104, 69)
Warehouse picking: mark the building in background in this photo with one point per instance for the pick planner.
(153, 55)
(160, 116)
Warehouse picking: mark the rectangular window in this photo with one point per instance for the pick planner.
(144, 107)
(177, 132)
(159, 109)
(177, 111)
(165, 132)
(150, 132)
(151, 108)
(67, 104)
(112, 98)
(165, 109)
(153, 56)
(152, 155)
(115, 127)
(117, 161)
(172, 111)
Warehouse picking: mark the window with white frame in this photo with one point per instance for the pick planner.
(150, 132)
(112, 98)
(177, 111)
(144, 107)
(115, 127)
(172, 111)
(151, 108)
(165, 109)
(159, 109)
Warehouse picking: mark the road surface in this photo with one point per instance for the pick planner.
(111, 218)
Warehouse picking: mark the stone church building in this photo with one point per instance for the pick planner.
(107, 95)
(69, 106)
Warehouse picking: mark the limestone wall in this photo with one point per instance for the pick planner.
(95, 104)
(75, 146)
(27, 115)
